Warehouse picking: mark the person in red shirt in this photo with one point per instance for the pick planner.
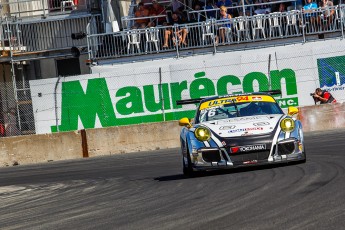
(323, 96)
(141, 13)
(157, 9)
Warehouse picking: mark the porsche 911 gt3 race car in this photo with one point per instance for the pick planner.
(240, 130)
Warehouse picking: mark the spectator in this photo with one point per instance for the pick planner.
(210, 6)
(295, 5)
(10, 119)
(177, 7)
(308, 10)
(179, 35)
(157, 9)
(141, 12)
(226, 3)
(323, 96)
(197, 4)
(309, 7)
(326, 18)
(262, 8)
(281, 7)
(196, 17)
(226, 26)
(248, 9)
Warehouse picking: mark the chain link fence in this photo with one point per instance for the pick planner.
(16, 111)
(137, 93)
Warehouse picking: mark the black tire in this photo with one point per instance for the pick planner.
(305, 158)
(188, 169)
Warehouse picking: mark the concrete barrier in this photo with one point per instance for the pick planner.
(322, 117)
(40, 148)
(124, 139)
(134, 138)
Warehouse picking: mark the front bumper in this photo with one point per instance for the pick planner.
(208, 158)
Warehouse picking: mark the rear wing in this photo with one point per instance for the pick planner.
(197, 100)
(273, 92)
(189, 101)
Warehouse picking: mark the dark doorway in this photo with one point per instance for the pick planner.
(68, 67)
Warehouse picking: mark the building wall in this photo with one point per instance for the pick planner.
(48, 67)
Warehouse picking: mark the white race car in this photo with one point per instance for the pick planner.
(240, 130)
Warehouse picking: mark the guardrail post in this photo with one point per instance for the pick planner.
(176, 41)
(44, 9)
(213, 26)
(303, 27)
(84, 143)
(340, 8)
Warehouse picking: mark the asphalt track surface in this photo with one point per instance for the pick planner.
(147, 191)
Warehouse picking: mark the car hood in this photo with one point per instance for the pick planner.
(244, 126)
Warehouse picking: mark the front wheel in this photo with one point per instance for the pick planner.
(187, 167)
(305, 157)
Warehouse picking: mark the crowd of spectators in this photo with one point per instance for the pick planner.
(156, 12)
(150, 13)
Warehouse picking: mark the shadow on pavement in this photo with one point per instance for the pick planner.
(223, 171)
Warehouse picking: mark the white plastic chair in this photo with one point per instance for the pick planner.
(133, 37)
(207, 31)
(229, 34)
(67, 3)
(224, 24)
(241, 27)
(292, 21)
(152, 36)
(340, 15)
(275, 23)
(259, 24)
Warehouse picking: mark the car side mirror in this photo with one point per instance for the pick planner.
(185, 122)
(292, 111)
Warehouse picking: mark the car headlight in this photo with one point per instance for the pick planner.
(202, 133)
(287, 125)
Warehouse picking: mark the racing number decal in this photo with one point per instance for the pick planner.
(242, 98)
(211, 112)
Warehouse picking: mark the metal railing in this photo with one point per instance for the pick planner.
(32, 8)
(24, 37)
(213, 33)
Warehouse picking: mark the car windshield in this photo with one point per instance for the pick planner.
(238, 110)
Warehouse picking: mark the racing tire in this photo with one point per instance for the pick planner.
(305, 158)
(188, 169)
